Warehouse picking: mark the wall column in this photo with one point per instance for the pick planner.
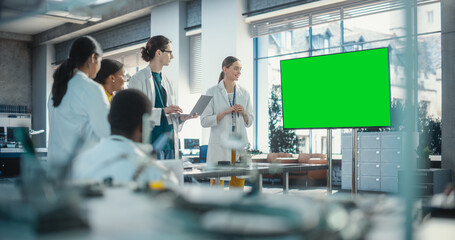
(448, 84)
(42, 71)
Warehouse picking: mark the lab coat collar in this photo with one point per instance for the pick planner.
(225, 94)
(148, 73)
(121, 138)
(221, 86)
(81, 73)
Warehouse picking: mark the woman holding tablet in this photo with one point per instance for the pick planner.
(165, 115)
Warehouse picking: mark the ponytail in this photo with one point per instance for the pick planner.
(62, 76)
(221, 77)
(227, 62)
(81, 49)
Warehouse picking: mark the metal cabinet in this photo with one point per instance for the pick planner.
(380, 158)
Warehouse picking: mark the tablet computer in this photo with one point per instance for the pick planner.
(200, 105)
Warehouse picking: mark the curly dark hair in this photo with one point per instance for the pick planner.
(154, 43)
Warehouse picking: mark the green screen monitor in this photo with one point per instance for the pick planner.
(344, 90)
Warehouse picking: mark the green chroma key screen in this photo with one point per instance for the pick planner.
(343, 90)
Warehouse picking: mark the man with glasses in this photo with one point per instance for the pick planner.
(165, 113)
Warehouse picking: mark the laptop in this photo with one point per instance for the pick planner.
(200, 106)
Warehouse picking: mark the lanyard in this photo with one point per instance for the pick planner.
(232, 114)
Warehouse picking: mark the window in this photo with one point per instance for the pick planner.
(195, 64)
(355, 33)
(430, 17)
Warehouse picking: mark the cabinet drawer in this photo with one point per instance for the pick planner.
(390, 169)
(346, 182)
(370, 169)
(391, 140)
(346, 140)
(424, 176)
(391, 155)
(369, 155)
(389, 184)
(425, 189)
(346, 168)
(370, 183)
(369, 141)
(346, 155)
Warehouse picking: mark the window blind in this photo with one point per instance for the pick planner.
(325, 14)
(195, 64)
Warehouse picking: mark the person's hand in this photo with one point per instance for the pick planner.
(172, 109)
(221, 115)
(187, 117)
(239, 109)
(229, 110)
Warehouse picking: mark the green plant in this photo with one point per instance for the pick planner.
(280, 139)
(429, 130)
(424, 152)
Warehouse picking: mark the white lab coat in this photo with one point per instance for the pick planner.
(143, 81)
(81, 115)
(119, 157)
(220, 130)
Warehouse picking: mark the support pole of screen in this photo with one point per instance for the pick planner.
(354, 161)
(329, 161)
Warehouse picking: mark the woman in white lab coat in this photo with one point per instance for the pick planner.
(229, 110)
(78, 106)
(155, 84)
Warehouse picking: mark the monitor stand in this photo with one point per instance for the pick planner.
(355, 160)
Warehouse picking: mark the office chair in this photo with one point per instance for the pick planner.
(203, 153)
